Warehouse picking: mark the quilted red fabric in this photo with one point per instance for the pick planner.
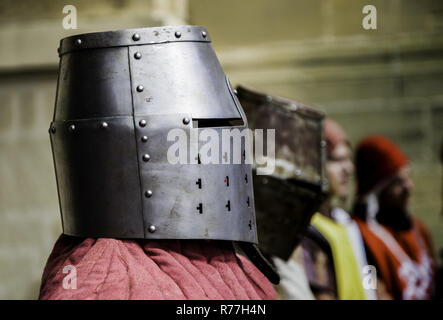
(148, 269)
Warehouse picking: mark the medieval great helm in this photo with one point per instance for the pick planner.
(286, 199)
(119, 94)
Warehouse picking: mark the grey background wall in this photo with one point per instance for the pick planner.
(386, 81)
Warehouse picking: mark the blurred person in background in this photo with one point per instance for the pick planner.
(334, 254)
(398, 244)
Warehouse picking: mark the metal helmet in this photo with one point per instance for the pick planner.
(119, 94)
(286, 200)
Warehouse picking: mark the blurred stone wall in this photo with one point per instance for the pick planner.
(387, 80)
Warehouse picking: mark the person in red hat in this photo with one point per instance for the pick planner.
(398, 244)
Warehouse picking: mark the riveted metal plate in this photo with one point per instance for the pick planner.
(181, 76)
(126, 37)
(179, 189)
(283, 212)
(97, 176)
(94, 84)
(298, 135)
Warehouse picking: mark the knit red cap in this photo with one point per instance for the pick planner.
(376, 159)
(334, 135)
